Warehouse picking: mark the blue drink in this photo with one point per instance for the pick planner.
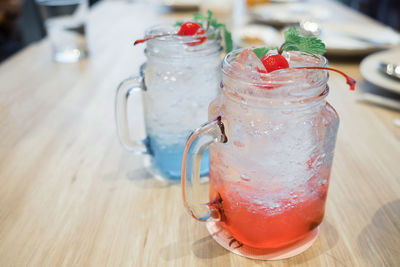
(168, 159)
(178, 82)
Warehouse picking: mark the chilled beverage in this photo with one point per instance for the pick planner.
(178, 81)
(279, 155)
(273, 136)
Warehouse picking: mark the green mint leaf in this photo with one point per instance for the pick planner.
(262, 51)
(222, 27)
(199, 17)
(309, 45)
(219, 25)
(209, 15)
(208, 20)
(295, 42)
(228, 40)
(214, 23)
(178, 23)
(292, 35)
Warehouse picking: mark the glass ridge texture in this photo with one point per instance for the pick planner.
(272, 175)
(180, 81)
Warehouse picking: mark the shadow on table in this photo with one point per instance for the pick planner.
(141, 175)
(207, 248)
(327, 239)
(143, 178)
(382, 236)
(204, 247)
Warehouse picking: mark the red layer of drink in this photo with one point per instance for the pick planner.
(261, 227)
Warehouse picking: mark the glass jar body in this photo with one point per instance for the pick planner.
(180, 83)
(273, 173)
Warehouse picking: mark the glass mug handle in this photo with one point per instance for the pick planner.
(125, 89)
(199, 140)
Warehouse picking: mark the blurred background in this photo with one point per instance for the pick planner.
(21, 23)
(70, 195)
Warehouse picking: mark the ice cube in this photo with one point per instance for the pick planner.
(272, 52)
(286, 55)
(248, 61)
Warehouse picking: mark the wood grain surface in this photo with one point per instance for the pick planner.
(71, 196)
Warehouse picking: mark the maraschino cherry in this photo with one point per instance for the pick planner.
(189, 29)
(274, 62)
(186, 29)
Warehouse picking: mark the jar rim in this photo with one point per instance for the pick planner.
(176, 46)
(171, 29)
(281, 87)
(268, 78)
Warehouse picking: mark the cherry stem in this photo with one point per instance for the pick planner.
(350, 81)
(139, 41)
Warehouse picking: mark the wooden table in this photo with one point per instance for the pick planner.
(71, 196)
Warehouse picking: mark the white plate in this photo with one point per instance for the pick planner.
(370, 72)
(357, 39)
(282, 14)
(257, 35)
(370, 93)
(182, 4)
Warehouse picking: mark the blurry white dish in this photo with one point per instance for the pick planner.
(281, 14)
(370, 93)
(257, 35)
(357, 39)
(182, 4)
(222, 9)
(369, 68)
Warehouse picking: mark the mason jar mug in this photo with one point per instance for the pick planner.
(178, 81)
(271, 138)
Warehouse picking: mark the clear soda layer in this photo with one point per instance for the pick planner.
(181, 80)
(272, 175)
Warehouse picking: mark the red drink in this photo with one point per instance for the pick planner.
(271, 157)
(255, 225)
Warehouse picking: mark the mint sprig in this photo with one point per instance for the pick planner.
(208, 21)
(228, 40)
(295, 42)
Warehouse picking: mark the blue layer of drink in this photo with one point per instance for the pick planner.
(168, 159)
